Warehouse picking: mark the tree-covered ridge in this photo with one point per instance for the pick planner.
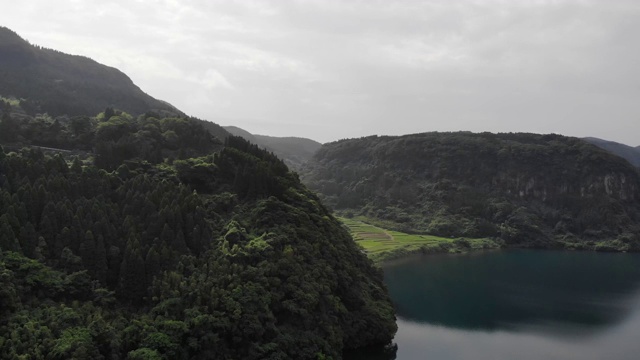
(58, 83)
(223, 256)
(526, 189)
(113, 136)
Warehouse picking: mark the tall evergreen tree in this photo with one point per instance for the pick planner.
(101, 265)
(132, 273)
(8, 240)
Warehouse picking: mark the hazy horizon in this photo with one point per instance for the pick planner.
(328, 70)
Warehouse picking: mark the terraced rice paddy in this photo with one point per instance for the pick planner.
(381, 244)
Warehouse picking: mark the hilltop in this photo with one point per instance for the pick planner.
(523, 189)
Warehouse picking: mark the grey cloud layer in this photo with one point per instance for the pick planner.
(335, 69)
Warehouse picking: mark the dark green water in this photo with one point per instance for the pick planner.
(517, 305)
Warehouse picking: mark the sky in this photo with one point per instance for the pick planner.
(330, 70)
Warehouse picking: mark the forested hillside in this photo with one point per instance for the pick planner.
(149, 238)
(525, 189)
(57, 83)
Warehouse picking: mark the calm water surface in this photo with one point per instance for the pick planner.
(517, 305)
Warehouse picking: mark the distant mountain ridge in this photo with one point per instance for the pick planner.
(294, 151)
(57, 83)
(629, 153)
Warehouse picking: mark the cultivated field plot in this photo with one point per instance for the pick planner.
(382, 244)
(376, 241)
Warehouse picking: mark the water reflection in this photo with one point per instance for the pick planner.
(517, 305)
(424, 341)
(510, 290)
(388, 352)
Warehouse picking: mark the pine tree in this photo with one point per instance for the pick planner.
(88, 253)
(41, 251)
(28, 239)
(76, 166)
(132, 285)
(8, 240)
(101, 261)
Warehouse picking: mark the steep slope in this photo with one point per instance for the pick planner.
(161, 237)
(294, 151)
(58, 83)
(526, 189)
(225, 255)
(629, 153)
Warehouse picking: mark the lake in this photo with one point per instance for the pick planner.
(517, 305)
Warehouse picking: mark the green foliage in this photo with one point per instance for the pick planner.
(144, 354)
(382, 244)
(114, 140)
(75, 343)
(137, 264)
(524, 189)
(148, 238)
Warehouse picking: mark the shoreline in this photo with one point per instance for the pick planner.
(400, 255)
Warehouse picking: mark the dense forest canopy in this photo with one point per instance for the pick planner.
(525, 189)
(141, 233)
(150, 238)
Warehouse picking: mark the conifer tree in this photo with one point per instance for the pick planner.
(88, 252)
(8, 240)
(101, 261)
(132, 273)
(28, 239)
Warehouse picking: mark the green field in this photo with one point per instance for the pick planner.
(382, 244)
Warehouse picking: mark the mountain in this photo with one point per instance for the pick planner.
(629, 153)
(57, 83)
(161, 236)
(182, 246)
(524, 189)
(295, 151)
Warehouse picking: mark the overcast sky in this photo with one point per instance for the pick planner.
(328, 70)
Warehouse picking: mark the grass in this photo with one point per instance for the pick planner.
(12, 102)
(382, 244)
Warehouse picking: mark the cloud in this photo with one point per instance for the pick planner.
(352, 68)
(213, 79)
